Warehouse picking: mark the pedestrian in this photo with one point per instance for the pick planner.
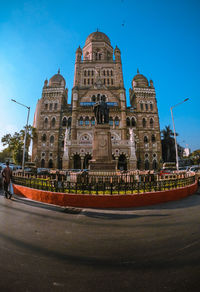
(7, 176)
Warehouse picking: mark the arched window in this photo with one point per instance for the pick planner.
(53, 122)
(64, 122)
(146, 106)
(128, 123)
(44, 138)
(151, 123)
(69, 122)
(62, 144)
(145, 139)
(52, 139)
(50, 106)
(46, 106)
(87, 121)
(153, 138)
(144, 123)
(117, 122)
(55, 106)
(93, 121)
(84, 72)
(80, 121)
(46, 122)
(133, 122)
(141, 106)
(146, 165)
(151, 106)
(111, 121)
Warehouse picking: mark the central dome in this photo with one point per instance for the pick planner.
(97, 36)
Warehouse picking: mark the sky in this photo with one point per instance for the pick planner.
(160, 38)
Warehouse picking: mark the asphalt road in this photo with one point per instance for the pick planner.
(47, 248)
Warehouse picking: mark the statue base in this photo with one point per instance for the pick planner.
(102, 150)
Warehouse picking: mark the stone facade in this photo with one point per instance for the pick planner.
(65, 131)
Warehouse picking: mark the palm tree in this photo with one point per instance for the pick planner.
(168, 145)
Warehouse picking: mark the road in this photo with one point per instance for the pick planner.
(49, 248)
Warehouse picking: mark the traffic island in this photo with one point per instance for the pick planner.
(105, 201)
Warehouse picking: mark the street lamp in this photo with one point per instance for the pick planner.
(176, 148)
(24, 149)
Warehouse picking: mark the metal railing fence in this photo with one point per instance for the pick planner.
(103, 186)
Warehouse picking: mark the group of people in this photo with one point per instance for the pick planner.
(7, 176)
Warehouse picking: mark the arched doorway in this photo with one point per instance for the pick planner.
(146, 165)
(77, 161)
(154, 165)
(87, 158)
(122, 162)
(42, 163)
(50, 163)
(60, 163)
(139, 163)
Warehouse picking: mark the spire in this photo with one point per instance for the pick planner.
(138, 71)
(58, 70)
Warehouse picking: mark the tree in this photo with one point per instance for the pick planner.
(4, 154)
(15, 143)
(168, 145)
(195, 156)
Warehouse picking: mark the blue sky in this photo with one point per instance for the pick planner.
(161, 38)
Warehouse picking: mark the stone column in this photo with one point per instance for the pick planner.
(133, 158)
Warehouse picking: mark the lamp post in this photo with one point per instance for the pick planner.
(26, 129)
(176, 148)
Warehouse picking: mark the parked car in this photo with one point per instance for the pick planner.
(43, 170)
(26, 170)
(165, 171)
(195, 168)
(186, 168)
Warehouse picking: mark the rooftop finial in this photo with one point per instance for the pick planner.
(138, 71)
(58, 70)
(97, 29)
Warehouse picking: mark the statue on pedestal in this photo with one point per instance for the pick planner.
(101, 110)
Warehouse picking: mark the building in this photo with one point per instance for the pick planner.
(65, 131)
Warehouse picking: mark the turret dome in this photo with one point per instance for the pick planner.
(140, 80)
(57, 80)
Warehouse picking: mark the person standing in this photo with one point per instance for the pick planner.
(7, 176)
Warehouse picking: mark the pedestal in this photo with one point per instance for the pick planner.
(102, 150)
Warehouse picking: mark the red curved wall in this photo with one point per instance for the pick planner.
(105, 201)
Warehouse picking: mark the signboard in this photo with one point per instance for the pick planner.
(110, 104)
